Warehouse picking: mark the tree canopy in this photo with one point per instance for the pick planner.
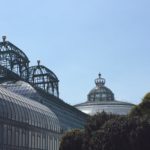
(113, 132)
(143, 109)
(72, 140)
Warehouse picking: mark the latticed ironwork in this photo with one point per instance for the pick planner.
(14, 64)
(42, 77)
(12, 58)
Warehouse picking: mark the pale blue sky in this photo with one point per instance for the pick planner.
(77, 39)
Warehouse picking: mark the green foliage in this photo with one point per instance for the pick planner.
(72, 140)
(126, 134)
(143, 109)
(112, 132)
(135, 111)
(95, 122)
(147, 97)
(121, 133)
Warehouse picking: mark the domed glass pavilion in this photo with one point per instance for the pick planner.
(101, 99)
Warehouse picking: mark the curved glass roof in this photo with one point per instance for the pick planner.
(63, 111)
(100, 92)
(101, 99)
(114, 107)
(22, 109)
(22, 88)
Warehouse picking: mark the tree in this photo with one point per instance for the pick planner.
(95, 122)
(92, 128)
(113, 132)
(122, 133)
(126, 134)
(143, 109)
(72, 140)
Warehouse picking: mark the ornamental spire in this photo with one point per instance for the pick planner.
(99, 81)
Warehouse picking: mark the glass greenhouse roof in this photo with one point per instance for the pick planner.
(100, 92)
(101, 99)
(121, 109)
(22, 88)
(22, 109)
(63, 111)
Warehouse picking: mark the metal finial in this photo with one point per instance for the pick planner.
(99, 75)
(4, 38)
(38, 61)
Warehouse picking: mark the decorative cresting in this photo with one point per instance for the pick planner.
(12, 59)
(42, 77)
(100, 92)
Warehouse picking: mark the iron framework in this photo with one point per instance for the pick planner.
(42, 77)
(14, 64)
(12, 58)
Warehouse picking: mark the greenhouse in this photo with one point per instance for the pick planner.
(32, 116)
(26, 124)
(101, 99)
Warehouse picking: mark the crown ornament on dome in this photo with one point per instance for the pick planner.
(99, 81)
